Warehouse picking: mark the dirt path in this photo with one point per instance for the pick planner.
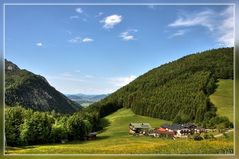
(219, 135)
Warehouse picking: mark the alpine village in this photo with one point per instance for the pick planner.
(180, 107)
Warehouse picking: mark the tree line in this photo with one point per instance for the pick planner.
(26, 127)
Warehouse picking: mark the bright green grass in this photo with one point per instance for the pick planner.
(222, 98)
(115, 140)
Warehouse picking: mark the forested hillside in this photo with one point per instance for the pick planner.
(33, 91)
(177, 91)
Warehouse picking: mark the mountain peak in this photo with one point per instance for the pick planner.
(29, 90)
(9, 66)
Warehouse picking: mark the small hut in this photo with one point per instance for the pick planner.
(139, 128)
(91, 136)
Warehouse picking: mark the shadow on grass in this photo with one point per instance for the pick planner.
(21, 147)
(87, 141)
(102, 137)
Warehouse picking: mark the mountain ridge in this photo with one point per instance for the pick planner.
(33, 91)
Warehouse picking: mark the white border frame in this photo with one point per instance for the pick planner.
(122, 4)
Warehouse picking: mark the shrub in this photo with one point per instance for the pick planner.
(219, 122)
(37, 129)
(77, 128)
(14, 117)
(197, 137)
(208, 136)
(58, 133)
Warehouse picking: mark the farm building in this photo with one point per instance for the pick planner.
(139, 128)
(180, 130)
(189, 126)
(159, 132)
(91, 136)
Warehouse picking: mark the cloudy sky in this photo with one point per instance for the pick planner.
(98, 49)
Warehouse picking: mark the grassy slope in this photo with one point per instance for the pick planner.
(223, 98)
(115, 139)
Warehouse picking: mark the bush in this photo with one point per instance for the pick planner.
(219, 122)
(36, 130)
(77, 128)
(14, 117)
(58, 133)
(197, 137)
(208, 136)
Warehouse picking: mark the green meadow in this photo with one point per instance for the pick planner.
(114, 139)
(222, 98)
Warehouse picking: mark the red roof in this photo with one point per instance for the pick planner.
(162, 129)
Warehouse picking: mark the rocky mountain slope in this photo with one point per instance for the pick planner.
(33, 91)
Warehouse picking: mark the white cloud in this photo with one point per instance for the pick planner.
(75, 40)
(133, 30)
(122, 81)
(80, 40)
(226, 29)
(79, 10)
(178, 33)
(128, 35)
(220, 24)
(99, 14)
(87, 40)
(70, 82)
(74, 17)
(39, 44)
(204, 18)
(111, 21)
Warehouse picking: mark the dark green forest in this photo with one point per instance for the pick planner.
(177, 91)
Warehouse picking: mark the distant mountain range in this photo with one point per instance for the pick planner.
(29, 90)
(86, 100)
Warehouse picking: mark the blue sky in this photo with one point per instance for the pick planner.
(98, 49)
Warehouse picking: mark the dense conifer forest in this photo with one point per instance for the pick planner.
(177, 91)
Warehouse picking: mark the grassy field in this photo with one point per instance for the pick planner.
(223, 98)
(114, 139)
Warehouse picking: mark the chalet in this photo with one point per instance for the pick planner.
(192, 127)
(139, 128)
(180, 130)
(159, 132)
(200, 130)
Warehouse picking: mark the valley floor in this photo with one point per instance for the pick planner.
(114, 139)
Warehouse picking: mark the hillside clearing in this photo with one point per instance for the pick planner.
(222, 98)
